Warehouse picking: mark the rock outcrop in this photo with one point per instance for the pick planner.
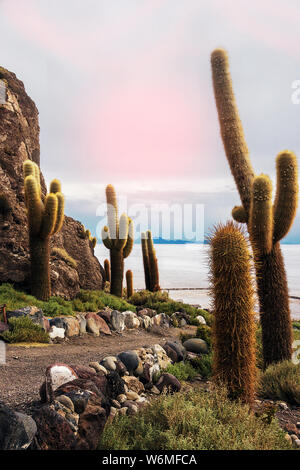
(19, 140)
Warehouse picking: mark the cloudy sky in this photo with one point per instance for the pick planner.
(124, 92)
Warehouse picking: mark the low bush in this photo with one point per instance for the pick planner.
(281, 382)
(161, 302)
(23, 330)
(182, 370)
(193, 421)
(93, 300)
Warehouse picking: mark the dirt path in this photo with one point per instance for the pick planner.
(23, 373)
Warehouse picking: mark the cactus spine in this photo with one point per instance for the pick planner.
(107, 270)
(118, 237)
(234, 326)
(267, 223)
(150, 262)
(45, 218)
(129, 283)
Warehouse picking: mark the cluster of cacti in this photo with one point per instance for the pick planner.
(234, 326)
(150, 262)
(267, 223)
(129, 283)
(107, 270)
(45, 216)
(118, 237)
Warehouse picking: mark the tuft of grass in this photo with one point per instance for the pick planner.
(203, 365)
(23, 330)
(183, 371)
(193, 421)
(64, 255)
(281, 382)
(97, 300)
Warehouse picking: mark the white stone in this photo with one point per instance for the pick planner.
(56, 332)
(61, 375)
(201, 320)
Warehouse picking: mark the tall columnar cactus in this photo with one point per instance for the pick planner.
(45, 218)
(267, 223)
(129, 283)
(150, 262)
(107, 270)
(118, 237)
(234, 326)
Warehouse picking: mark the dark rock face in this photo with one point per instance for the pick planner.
(54, 431)
(19, 140)
(16, 429)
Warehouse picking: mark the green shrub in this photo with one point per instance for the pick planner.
(182, 370)
(147, 298)
(203, 365)
(56, 306)
(193, 421)
(93, 300)
(64, 255)
(281, 382)
(23, 330)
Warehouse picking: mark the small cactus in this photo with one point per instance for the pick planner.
(150, 262)
(107, 270)
(45, 217)
(118, 237)
(129, 283)
(233, 303)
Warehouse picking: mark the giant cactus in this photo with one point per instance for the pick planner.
(233, 326)
(118, 237)
(150, 262)
(45, 218)
(267, 223)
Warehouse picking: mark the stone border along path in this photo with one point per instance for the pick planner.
(78, 400)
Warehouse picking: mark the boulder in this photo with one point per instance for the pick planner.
(134, 384)
(56, 375)
(17, 430)
(146, 312)
(110, 363)
(161, 356)
(56, 332)
(117, 321)
(178, 348)
(115, 385)
(91, 424)
(196, 345)
(146, 322)
(172, 354)
(54, 432)
(72, 327)
(59, 322)
(168, 383)
(95, 323)
(131, 320)
(162, 320)
(200, 320)
(106, 315)
(82, 324)
(98, 368)
(130, 359)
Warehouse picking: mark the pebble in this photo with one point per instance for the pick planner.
(297, 442)
(123, 411)
(116, 403)
(121, 398)
(298, 425)
(132, 395)
(66, 401)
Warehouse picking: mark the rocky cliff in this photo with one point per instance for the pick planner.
(19, 140)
